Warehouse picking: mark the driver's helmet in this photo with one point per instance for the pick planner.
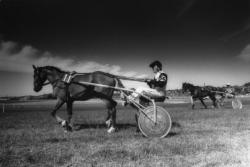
(228, 85)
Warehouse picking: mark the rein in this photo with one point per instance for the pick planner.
(47, 83)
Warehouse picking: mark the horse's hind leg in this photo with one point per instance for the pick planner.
(108, 120)
(111, 118)
(137, 126)
(192, 102)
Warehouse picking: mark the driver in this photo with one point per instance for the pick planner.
(157, 85)
(229, 91)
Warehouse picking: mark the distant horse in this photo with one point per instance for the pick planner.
(75, 91)
(200, 93)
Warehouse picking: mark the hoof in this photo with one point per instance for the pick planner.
(111, 129)
(67, 130)
(64, 123)
(124, 103)
(66, 126)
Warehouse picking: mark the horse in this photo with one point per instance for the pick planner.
(200, 93)
(75, 91)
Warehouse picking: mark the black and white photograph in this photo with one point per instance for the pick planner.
(124, 83)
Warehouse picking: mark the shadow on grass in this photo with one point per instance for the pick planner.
(172, 134)
(175, 130)
(35, 158)
(55, 140)
(78, 127)
(111, 155)
(119, 126)
(176, 125)
(47, 159)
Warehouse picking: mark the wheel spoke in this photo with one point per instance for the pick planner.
(159, 129)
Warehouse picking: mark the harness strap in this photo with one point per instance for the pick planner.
(69, 76)
(47, 83)
(66, 87)
(67, 91)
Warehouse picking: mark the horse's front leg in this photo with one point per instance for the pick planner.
(215, 101)
(192, 101)
(68, 126)
(202, 102)
(113, 120)
(59, 104)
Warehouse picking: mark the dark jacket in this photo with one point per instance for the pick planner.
(159, 82)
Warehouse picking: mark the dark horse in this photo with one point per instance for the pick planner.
(200, 93)
(75, 91)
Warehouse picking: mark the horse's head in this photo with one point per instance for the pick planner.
(40, 76)
(186, 87)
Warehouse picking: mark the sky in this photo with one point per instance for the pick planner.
(202, 42)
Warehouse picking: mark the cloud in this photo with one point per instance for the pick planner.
(245, 53)
(20, 58)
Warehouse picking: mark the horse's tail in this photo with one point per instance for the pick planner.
(119, 84)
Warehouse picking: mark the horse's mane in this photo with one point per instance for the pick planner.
(105, 73)
(186, 83)
(53, 68)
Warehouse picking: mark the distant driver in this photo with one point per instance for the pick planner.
(229, 92)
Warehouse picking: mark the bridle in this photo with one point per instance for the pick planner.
(187, 89)
(52, 83)
(48, 82)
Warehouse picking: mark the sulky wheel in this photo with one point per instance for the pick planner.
(236, 104)
(150, 129)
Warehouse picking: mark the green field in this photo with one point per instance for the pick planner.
(201, 137)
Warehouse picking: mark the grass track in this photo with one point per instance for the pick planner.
(212, 137)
